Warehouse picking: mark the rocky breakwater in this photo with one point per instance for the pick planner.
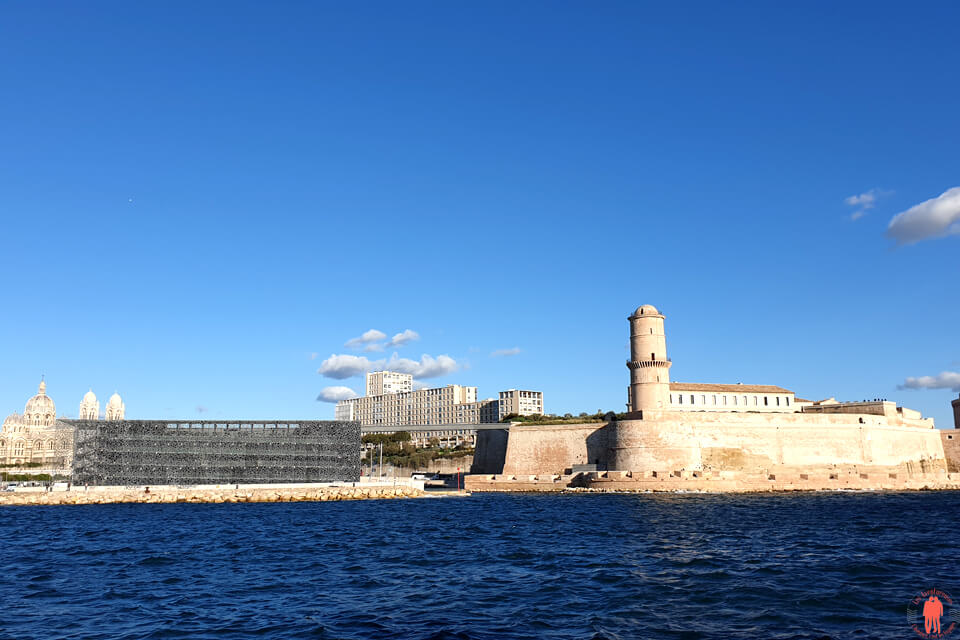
(172, 495)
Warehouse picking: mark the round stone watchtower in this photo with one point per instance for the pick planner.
(649, 365)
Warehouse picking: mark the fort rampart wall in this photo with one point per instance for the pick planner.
(951, 448)
(754, 445)
(552, 449)
(757, 442)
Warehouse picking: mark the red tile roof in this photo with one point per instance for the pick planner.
(727, 388)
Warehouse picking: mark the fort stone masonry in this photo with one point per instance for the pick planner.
(723, 437)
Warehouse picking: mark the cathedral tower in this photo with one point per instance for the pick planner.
(89, 407)
(116, 410)
(648, 364)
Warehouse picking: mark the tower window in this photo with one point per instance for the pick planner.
(653, 356)
(766, 401)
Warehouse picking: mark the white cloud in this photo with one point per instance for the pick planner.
(420, 384)
(867, 200)
(371, 341)
(402, 338)
(427, 367)
(499, 353)
(344, 366)
(336, 394)
(945, 380)
(864, 202)
(368, 336)
(935, 218)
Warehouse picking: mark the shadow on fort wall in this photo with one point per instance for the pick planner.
(491, 451)
(600, 447)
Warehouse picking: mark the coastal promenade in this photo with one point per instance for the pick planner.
(218, 494)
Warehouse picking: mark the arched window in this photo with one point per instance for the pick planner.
(38, 445)
(19, 447)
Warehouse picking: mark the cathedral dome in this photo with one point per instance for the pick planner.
(40, 408)
(12, 419)
(115, 400)
(90, 397)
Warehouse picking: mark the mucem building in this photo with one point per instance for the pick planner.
(153, 452)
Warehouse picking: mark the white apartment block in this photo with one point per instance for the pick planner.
(452, 404)
(732, 397)
(345, 410)
(383, 382)
(520, 402)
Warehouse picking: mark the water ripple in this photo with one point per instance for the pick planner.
(491, 567)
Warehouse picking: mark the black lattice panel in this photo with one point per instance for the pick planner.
(133, 452)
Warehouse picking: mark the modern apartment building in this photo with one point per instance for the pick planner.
(383, 382)
(345, 410)
(520, 402)
(452, 404)
(391, 401)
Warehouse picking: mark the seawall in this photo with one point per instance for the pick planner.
(841, 478)
(173, 494)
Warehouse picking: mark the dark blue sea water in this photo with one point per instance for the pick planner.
(489, 567)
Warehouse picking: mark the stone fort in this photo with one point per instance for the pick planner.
(722, 437)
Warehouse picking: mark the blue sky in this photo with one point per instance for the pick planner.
(202, 204)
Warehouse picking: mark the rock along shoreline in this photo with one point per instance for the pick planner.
(218, 495)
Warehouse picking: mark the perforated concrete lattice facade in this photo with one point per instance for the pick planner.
(214, 452)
